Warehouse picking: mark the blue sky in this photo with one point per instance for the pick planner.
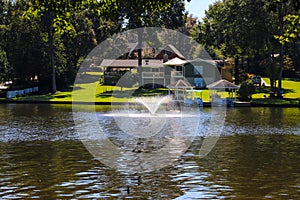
(198, 7)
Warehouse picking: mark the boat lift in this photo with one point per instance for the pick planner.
(193, 97)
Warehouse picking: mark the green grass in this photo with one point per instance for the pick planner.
(88, 89)
(290, 87)
(291, 95)
(285, 101)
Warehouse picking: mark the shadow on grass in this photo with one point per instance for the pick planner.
(87, 78)
(35, 97)
(292, 79)
(150, 92)
(266, 90)
(61, 96)
(288, 91)
(262, 89)
(133, 93)
(275, 101)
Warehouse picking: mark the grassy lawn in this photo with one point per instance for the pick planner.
(88, 89)
(83, 94)
(291, 93)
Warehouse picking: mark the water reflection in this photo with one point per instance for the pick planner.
(258, 157)
(262, 121)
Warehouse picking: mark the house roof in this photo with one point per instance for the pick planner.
(175, 62)
(172, 49)
(222, 84)
(180, 84)
(131, 63)
(131, 47)
(210, 62)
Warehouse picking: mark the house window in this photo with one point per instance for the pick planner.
(198, 70)
(179, 68)
(146, 69)
(155, 69)
(199, 82)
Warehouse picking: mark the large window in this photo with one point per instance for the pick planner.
(198, 70)
(155, 69)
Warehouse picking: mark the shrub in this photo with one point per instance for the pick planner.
(246, 90)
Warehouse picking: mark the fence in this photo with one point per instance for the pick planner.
(14, 93)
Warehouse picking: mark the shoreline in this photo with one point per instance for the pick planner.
(205, 104)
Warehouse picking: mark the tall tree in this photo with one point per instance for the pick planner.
(23, 45)
(55, 16)
(288, 31)
(4, 66)
(245, 30)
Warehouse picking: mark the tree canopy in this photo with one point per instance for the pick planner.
(252, 31)
(44, 38)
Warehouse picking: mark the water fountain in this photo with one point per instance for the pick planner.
(152, 103)
(145, 118)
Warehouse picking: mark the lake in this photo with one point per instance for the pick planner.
(256, 157)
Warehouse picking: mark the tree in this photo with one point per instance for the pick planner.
(246, 90)
(55, 16)
(4, 66)
(65, 31)
(246, 30)
(23, 45)
(289, 24)
(190, 26)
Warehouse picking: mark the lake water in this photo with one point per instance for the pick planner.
(256, 157)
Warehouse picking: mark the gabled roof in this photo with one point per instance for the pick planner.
(222, 84)
(131, 63)
(218, 63)
(131, 47)
(180, 84)
(172, 49)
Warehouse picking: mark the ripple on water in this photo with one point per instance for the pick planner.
(40, 157)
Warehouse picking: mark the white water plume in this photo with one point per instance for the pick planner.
(152, 103)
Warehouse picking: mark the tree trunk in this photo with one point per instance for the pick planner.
(270, 65)
(242, 70)
(51, 51)
(236, 70)
(279, 92)
(281, 13)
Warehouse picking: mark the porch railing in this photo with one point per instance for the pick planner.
(153, 74)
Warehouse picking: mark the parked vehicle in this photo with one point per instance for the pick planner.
(256, 80)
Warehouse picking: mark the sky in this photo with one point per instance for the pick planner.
(198, 7)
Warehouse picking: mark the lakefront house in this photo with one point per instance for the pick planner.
(167, 67)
